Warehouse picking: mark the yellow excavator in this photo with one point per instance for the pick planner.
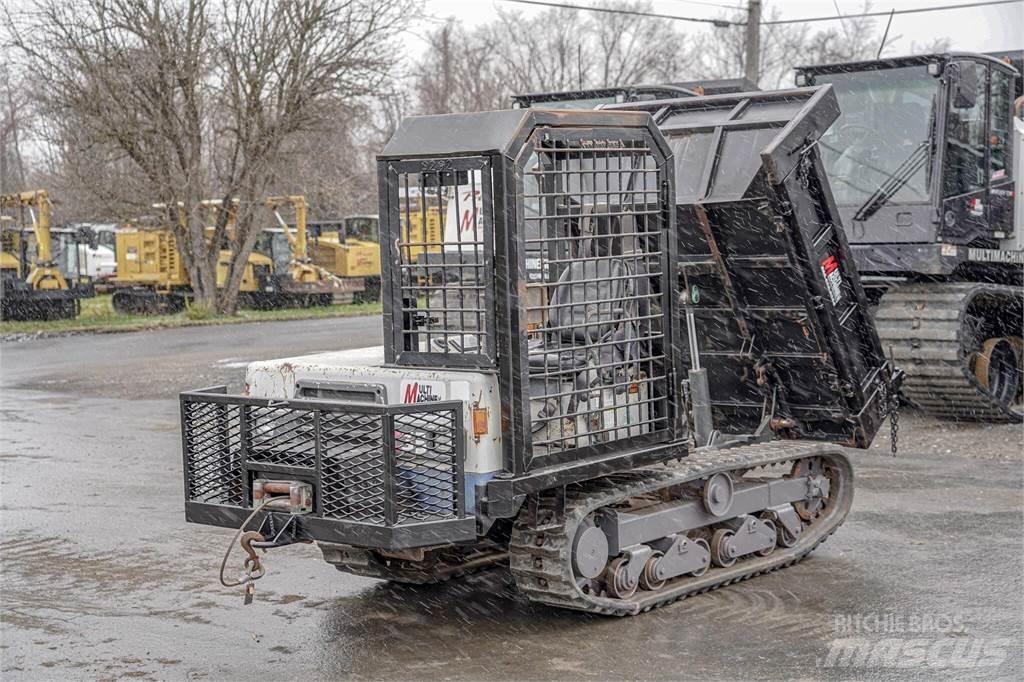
(347, 248)
(152, 278)
(34, 288)
(313, 278)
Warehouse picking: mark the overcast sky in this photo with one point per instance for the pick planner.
(981, 29)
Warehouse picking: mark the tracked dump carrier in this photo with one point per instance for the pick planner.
(532, 401)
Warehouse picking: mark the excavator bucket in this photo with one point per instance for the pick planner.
(782, 324)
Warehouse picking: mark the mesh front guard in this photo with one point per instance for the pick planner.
(389, 467)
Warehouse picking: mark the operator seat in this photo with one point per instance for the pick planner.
(597, 300)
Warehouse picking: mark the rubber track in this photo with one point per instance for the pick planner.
(922, 324)
(540, 557)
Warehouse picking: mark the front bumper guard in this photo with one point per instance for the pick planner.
(383, 476)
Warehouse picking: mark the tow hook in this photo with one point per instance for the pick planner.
(253, 567)
(291, 497)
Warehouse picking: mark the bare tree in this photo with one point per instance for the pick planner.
(937, 44)
(547, 51)
(553, 50)
(343, 181)
(783, 46)
(852, 39)
(460, 72)
(14, 103)
(201, 98)
(630, 49)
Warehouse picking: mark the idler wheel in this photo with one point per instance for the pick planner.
(775, 534)
(707, 563)
(721, 543)
(617, 579)
(718, 491)
(997, 368)
(589, 550)
(809, 509)
(649, 579)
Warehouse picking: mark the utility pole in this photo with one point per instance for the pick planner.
(752, 61)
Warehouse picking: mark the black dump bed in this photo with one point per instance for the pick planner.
(782, 324)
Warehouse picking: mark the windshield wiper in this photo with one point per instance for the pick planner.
(894, 182)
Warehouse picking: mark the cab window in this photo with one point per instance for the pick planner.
(362, 229)
(965, 132)
(1001, 125)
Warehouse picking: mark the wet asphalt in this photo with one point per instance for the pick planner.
(102, 578)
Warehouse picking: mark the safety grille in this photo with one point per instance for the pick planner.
(212, 439)
(281, 436)
(376, 464)
(594, 255)
(444, 279)
(425, 457)
(352, 470)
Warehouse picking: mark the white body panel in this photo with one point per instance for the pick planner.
(98, 263)
(462, 213)
(1016, 240)
(283, 378)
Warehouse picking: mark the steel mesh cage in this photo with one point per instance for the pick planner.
(281, 436)
(442, 245)
(565, 244)
(212, 438)
(352, 471)
(388, 465)
(425, 466)
(594, 258)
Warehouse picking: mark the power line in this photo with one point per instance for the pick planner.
(608, 10)
(889, 12)
(723, 23)
(733, 7)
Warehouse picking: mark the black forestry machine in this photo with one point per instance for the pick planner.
(921, 165)
(630, 373)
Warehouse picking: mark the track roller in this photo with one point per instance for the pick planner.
(721, 548)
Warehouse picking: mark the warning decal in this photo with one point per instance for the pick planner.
(833, 278)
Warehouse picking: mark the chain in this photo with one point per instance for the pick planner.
(891, 407)
(894, 421)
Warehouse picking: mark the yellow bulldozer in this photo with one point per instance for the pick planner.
(32, 286)
(351, 250)
(152, 278)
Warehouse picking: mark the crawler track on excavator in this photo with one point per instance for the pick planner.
(540, 552)
(928, 328)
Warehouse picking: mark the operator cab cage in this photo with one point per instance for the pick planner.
(781, 320)
(555, 271)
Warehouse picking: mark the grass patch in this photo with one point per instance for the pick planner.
(98, 315)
